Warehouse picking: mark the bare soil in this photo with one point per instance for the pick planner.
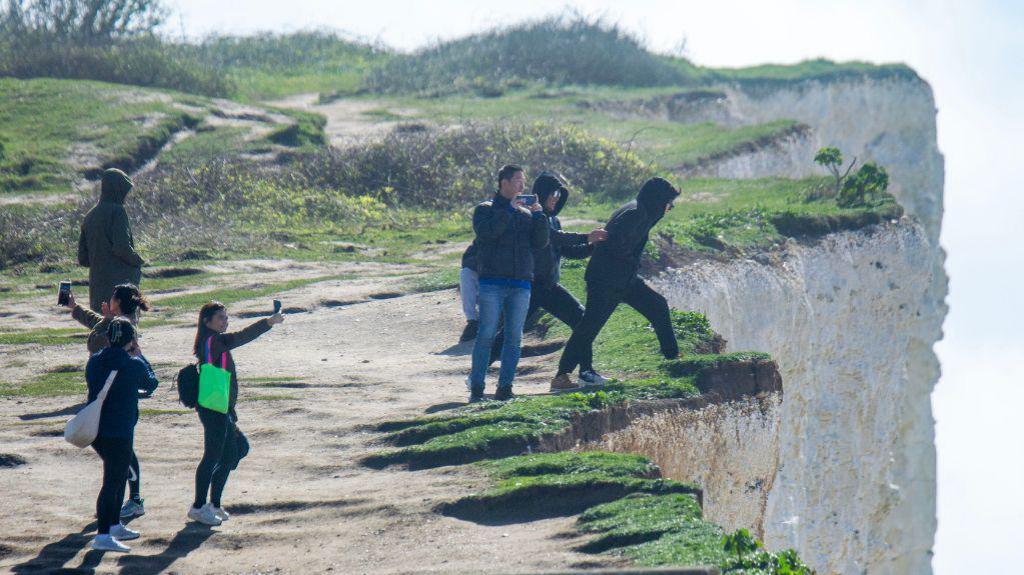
(300, 502)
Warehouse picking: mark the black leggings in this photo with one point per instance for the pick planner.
(555, 300)
(134, 477)
(601, 303)
(220, 456)
(116, 453)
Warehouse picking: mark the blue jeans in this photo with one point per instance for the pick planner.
(494, 301)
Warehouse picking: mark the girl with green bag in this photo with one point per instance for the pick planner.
(223, 443)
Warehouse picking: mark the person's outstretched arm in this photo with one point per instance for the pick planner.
(232, 339)
(572, 245)
(120, 239)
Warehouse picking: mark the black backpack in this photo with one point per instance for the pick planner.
(188, 385)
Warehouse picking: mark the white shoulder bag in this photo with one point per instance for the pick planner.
(82, 429)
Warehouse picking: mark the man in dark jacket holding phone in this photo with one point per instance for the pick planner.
(612, 279)
(547, 293)
(507, 233)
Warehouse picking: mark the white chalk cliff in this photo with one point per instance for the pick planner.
(851, 319)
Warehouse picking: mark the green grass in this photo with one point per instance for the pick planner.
(666, 144)
(45, 336)
(228, 296)
(551, 484)
(444, 278)
(54, 384)
(45, 124)
(627, 348)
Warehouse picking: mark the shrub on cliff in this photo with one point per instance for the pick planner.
(443, 169)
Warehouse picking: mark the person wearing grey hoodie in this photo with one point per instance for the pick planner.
(106, 245)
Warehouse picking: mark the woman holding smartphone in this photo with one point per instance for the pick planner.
(120, 413)
(126, 301)
(223, 444)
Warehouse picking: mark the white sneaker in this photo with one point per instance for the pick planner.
(108, 543)
(220, 513)
(122, 533)
(469, 385)
(203, 515)
(592, 378)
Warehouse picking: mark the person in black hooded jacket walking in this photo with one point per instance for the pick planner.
(546, 292)
(612, 279)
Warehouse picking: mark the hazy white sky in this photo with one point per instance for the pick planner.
(972, 53)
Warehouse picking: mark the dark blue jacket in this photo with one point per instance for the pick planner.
(506, 238)
(121, 408)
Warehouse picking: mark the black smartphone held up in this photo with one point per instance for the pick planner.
(527, 199)
(64, 293)
(277, 306)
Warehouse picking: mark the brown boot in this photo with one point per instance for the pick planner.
(562, 382)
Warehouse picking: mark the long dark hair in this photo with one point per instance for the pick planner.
(202, 332)
(130, 298)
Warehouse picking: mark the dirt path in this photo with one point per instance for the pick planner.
(347, 120)
(300, 501)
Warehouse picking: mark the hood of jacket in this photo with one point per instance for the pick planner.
(114, 186)
(655, 194)
(113, 358)
(546, 184)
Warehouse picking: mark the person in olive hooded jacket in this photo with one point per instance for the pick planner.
(106, 245)
(612, 279)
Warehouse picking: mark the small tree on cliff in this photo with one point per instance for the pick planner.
(866, 187)
(832, 160)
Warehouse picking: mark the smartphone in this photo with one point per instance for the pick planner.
(277, 306)
(527, 199)
(64, 293)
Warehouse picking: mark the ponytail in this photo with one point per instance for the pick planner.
(130, 299)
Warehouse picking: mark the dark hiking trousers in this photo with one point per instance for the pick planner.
(116, 453)
(220, 456)
(601, 303)
(134, 477)
(555, 300)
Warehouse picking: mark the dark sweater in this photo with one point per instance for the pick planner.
(223, 343)
(506, 238)
(120, 410)
(616, 260)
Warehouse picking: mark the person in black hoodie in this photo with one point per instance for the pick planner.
(547, 293)
(120, 413)
(612, 279)
(507, 233)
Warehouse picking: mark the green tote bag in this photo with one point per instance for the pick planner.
(214, 382)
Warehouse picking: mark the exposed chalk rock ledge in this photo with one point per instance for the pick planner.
(850, 319)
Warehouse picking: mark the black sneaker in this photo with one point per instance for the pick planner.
(469, 332)
(504, 393)
(476, 396)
